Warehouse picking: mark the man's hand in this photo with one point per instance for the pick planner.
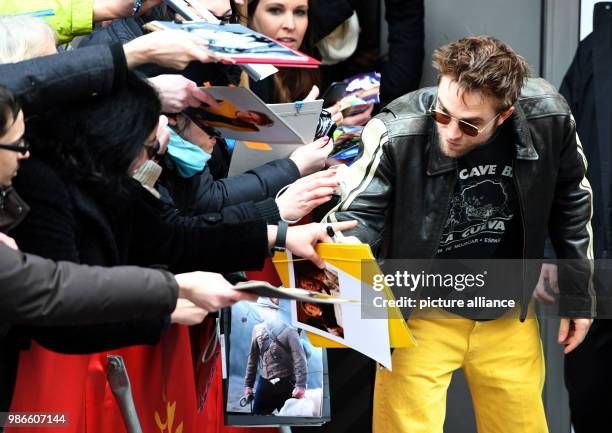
(572, 332)
(310, 158)
(187, 313)
(8, 241)
(173, 49)
(247, 392)
(112, 9)
(548, 273)
(298, 392)
(301, 240)
(305, 194)
(177, 93)
(210, 291)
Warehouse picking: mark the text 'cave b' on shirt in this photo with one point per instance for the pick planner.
(483, 220)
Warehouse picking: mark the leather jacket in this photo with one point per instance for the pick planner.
(399, 189)
(13, 209)
(282, 356)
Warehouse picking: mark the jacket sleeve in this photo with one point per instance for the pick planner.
(570, 229)
(46, 293)
(45, 82)
(298, 357)
(120, 30)
(254, 185)
(234, 214)
(402, 71)
(70, 17)
(367, 187)
(181, 247)
(252, 361)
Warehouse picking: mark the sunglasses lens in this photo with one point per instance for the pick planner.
(442, 118)
(468, 129)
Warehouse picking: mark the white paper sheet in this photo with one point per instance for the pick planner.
(368, 336)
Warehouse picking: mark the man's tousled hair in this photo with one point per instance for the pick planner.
(483, 64)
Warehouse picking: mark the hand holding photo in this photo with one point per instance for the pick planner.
(240, 43)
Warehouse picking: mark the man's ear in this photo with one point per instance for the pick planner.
(503, 116)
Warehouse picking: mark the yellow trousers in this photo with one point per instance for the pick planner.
(502, 360)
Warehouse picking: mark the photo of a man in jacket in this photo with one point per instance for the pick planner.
(277, 352)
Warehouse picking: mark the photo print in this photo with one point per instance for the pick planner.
(325, 317)
(274, 375)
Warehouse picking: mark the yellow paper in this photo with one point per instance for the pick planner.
(356, 260)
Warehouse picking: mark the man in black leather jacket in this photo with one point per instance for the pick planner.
(482, 167)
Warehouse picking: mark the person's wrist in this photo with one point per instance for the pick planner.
(185, 289)
(272, 230)
(298, 164)
(100, 13)
(136, 53)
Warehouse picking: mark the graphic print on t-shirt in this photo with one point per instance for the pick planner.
(481, 208)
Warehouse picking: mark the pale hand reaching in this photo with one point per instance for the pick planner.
(305, 194)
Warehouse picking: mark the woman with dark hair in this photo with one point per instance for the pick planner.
(288, 22)
(86, 207)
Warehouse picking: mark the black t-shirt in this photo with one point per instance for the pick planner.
(483, 222)
(483, 219)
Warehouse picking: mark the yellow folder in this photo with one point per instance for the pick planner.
(356, 260)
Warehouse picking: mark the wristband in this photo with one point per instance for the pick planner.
(137, 6)
(281, 236)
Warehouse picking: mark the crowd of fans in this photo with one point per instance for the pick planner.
(117, 218)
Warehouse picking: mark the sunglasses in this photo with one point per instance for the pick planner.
(465, 127)
(20, 146)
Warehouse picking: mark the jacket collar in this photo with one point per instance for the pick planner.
(524, 144)
(440, 163)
